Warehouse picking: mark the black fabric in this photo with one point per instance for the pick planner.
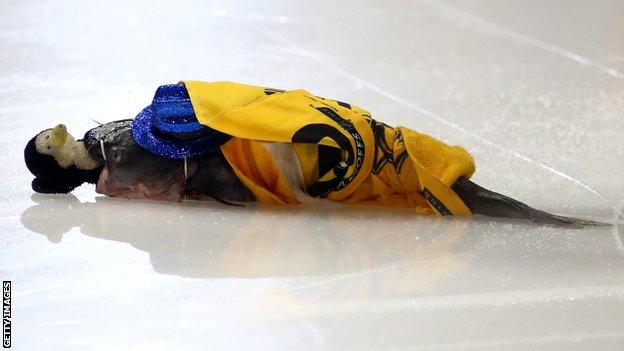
(54, 186)
(328, 158)
(50, 177)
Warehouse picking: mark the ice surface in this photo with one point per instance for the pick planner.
(535, 91)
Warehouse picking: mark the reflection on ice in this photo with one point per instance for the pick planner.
(195, 239)
(377, 252)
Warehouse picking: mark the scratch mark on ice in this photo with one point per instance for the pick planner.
(375, 88)
(457, 13)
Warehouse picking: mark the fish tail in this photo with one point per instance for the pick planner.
(488, 203)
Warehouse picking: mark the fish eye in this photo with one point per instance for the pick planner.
(116, 156)
(49, 147)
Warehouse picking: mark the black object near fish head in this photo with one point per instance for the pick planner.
(47, 156)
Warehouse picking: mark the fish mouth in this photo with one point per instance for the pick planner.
(139, 190)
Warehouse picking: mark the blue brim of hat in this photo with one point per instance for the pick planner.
(147, 135)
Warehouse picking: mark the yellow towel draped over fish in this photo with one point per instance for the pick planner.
(343, 153)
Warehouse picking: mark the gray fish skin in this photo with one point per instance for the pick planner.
(216, 179)
(488, 203)
(129, 171)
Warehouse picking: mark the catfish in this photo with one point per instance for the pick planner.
(121, 168)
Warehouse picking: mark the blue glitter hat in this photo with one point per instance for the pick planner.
(168, 127)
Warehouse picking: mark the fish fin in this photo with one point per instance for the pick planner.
(488, 203)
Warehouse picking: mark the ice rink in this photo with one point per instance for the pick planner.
(535, 90)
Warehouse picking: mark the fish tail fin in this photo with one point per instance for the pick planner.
(488, 203)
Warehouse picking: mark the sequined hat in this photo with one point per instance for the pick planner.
(168, 127)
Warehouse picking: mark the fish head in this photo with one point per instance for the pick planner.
(132, 172)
